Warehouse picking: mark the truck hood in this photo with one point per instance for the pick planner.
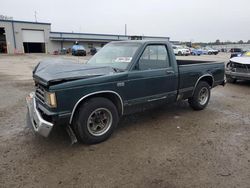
(53, 72)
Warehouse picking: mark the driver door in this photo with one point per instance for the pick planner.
(153, 77)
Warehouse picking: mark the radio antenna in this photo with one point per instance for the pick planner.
(35, 16)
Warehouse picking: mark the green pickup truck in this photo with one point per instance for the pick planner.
(123, 77)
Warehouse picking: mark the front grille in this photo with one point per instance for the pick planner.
(40, 92)
(80, 51)
(244, 68)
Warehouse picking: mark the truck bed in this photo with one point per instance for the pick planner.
(190, 62)
(190, 71)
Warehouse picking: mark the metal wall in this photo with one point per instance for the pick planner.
(55, 41)
(14, 35)
(9, 36)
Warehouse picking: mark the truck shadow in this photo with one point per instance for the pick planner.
(59, 137)
(168, 111)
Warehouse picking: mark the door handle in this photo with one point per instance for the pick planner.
(169, 72)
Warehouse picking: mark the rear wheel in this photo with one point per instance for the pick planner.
(201, 96)
(96, 120)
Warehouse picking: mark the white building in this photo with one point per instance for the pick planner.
(37, 37)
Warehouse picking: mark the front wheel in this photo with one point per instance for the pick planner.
(96, 120)
(201, 96)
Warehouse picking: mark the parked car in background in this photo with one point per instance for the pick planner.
(247, 53)
(235, 52)
(204, 51)
(238, 68)
(195, 51)
(211, 51)
(223, 50)
(123, 78)
(94, 50)
(78, 50)
(181, 50)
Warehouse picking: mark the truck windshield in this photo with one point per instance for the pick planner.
(115, 55)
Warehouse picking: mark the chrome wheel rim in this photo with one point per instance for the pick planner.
(203, 95)
(99, 121)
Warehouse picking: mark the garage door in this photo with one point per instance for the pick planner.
(33, 36)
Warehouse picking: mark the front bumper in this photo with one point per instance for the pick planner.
(40, 125)
(238, 75)
(80, 52)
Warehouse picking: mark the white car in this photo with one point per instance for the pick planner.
(238, 68)
(210, 51)
(181, 50)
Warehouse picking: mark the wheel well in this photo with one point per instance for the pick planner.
(111, 96)
(208, 79)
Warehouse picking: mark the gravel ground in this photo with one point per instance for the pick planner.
(171, 146)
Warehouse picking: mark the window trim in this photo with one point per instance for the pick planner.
(140, 55)
(156, 44)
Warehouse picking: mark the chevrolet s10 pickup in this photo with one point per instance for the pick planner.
(123, 77)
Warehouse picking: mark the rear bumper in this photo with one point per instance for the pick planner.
(40, 125)
(238, 75)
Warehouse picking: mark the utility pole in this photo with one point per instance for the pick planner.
(125, 29)
(35, 16)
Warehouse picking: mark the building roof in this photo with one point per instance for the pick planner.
(28, 22)
(99, 34)
(71, 36)
(68, 36)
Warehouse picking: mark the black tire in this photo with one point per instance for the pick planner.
(80, 124)
(179, 54)
(230, 79)
(194, 101)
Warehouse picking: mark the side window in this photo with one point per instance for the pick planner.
(154, 57)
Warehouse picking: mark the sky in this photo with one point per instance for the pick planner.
(181, 20)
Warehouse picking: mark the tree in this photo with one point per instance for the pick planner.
(217, 41)
(240, 42)
(248, 42)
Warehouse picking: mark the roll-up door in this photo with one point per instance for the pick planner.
(33, 36)
(33, 41)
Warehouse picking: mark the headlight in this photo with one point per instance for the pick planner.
(50, 99)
